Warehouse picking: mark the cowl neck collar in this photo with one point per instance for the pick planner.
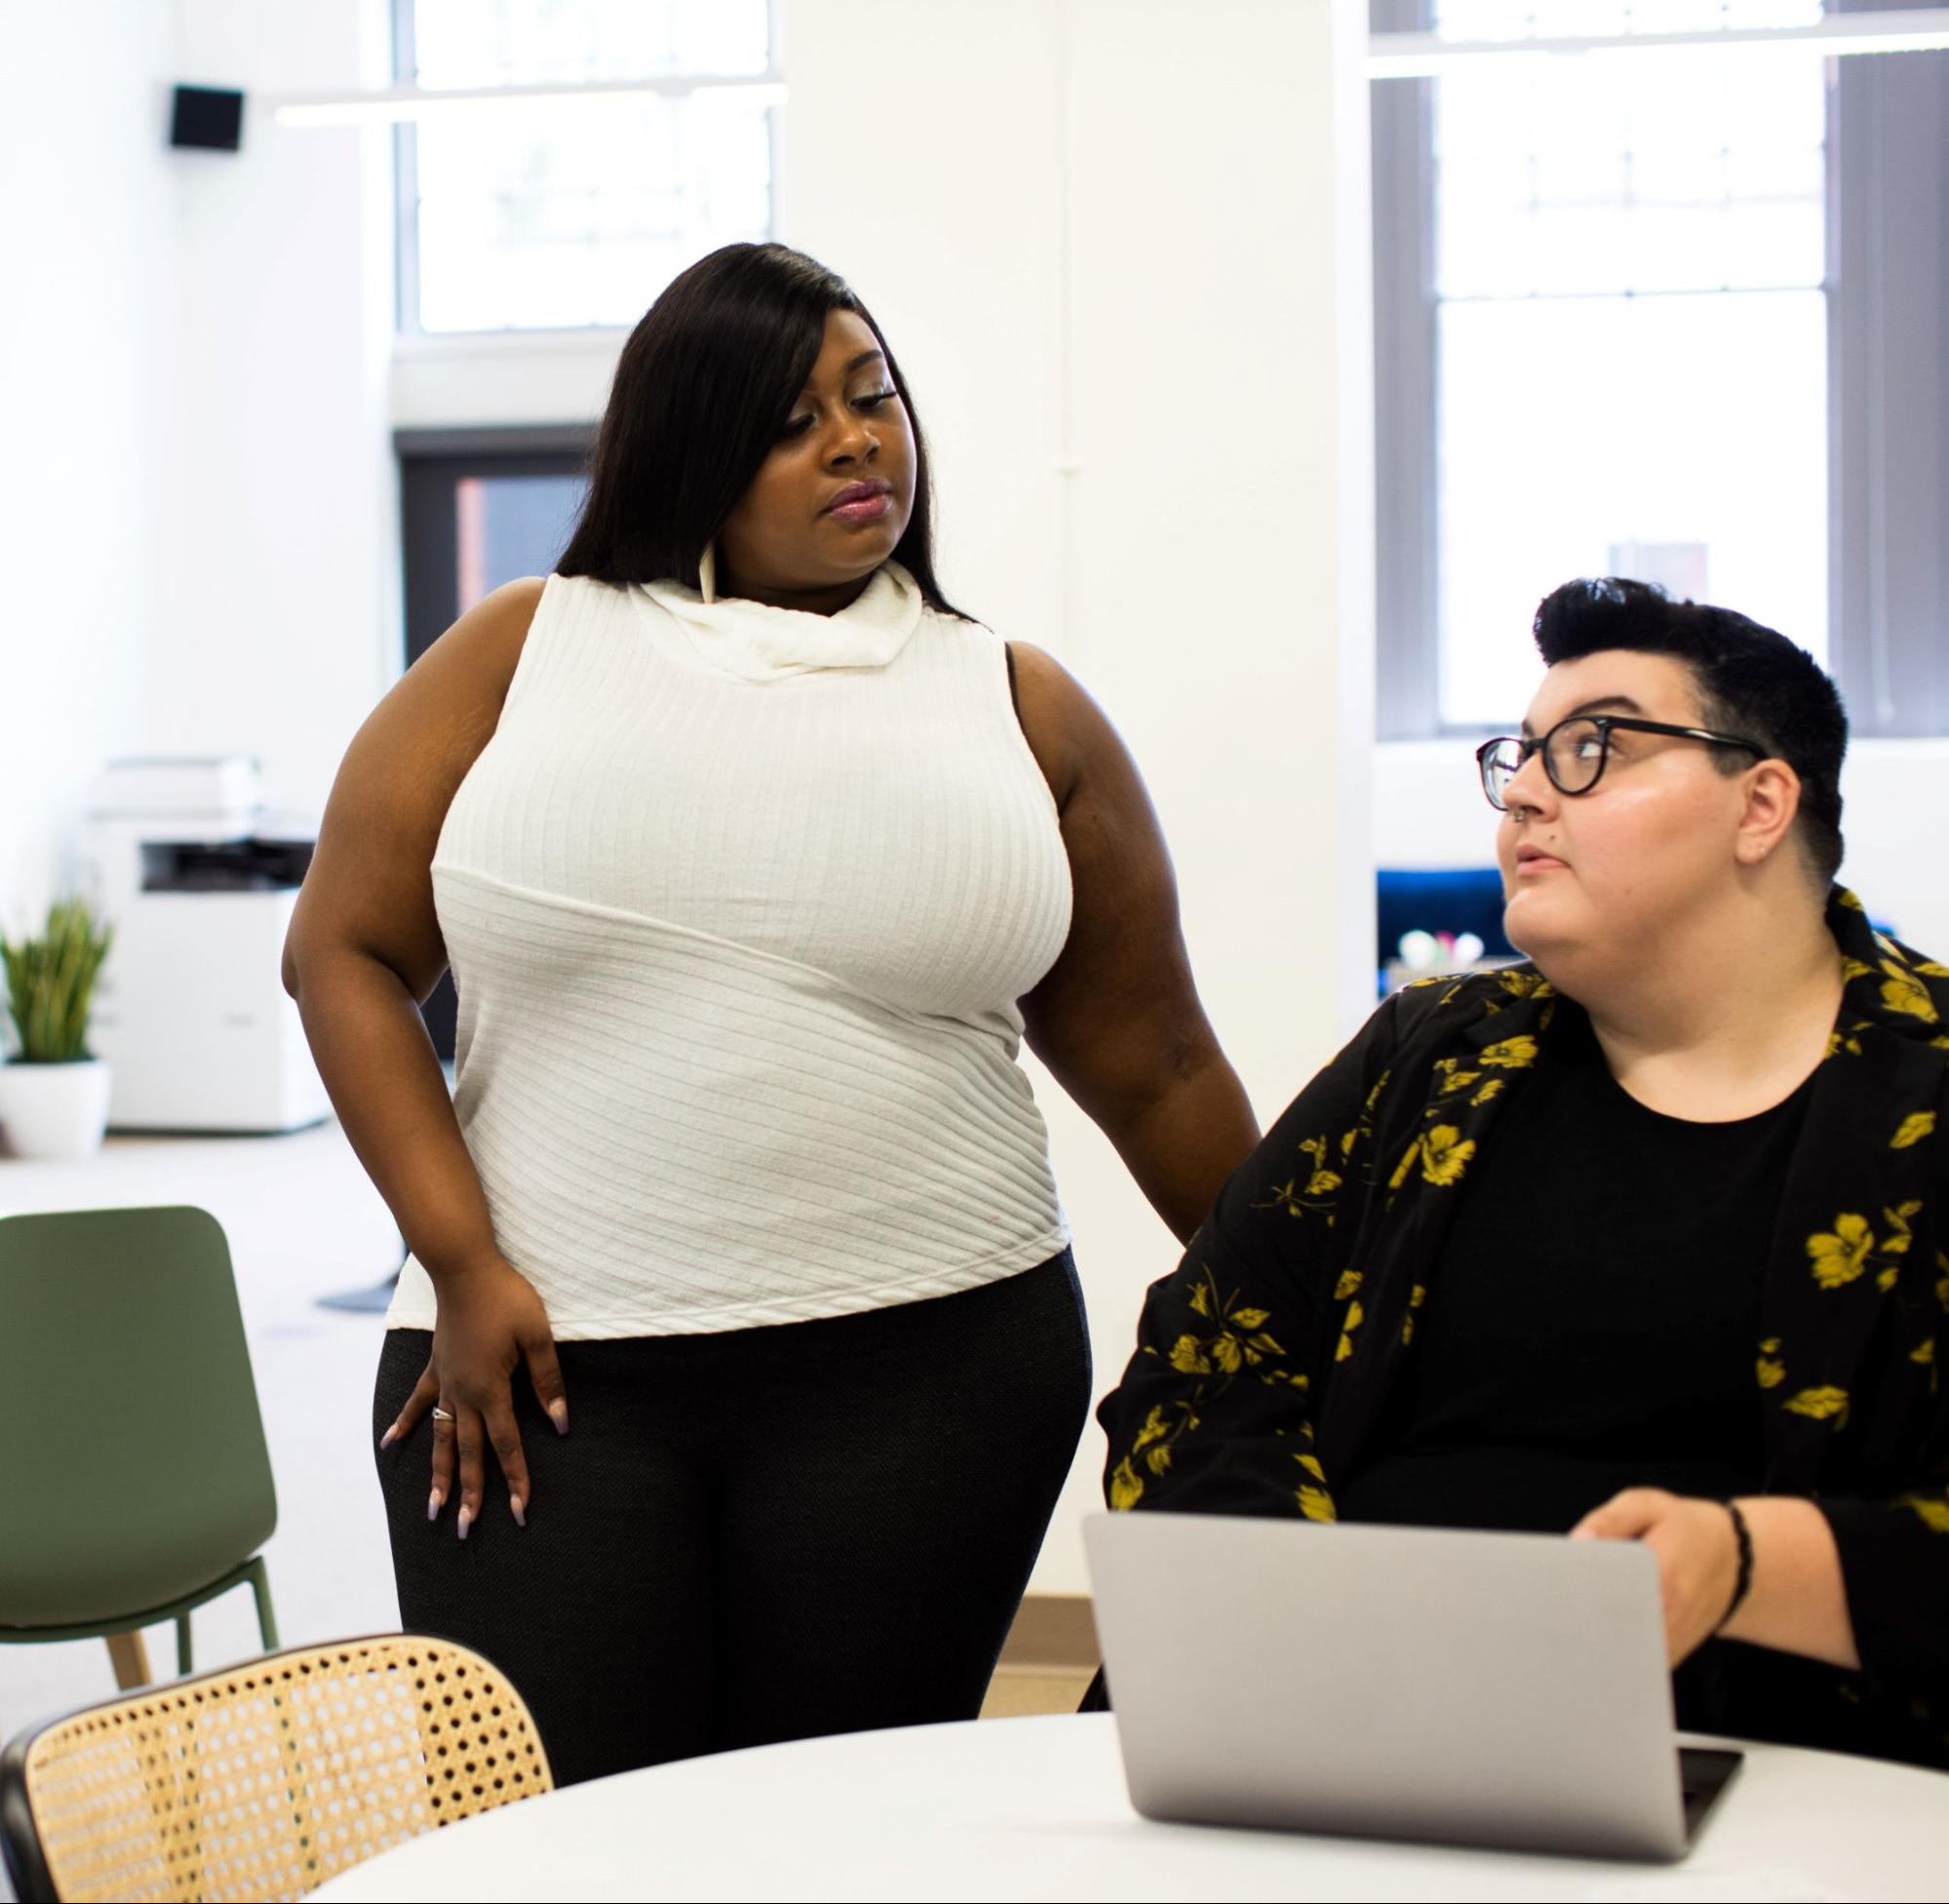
(758, 642)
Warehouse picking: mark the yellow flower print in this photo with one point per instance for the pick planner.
(1316, 1504)
(1493, 1089)
(1228, 1352)
(1158, 1459)
(1125, 1488)
(1198, 1305)
(1819, 1404)
(1843, 897)
(1317, 1192)
(1154, 1429)
(1772, 1370)
(1444, 1156)
(1348, 1287)
(1458, 1082)
(1934, 1512)
(1187, 1358)
(1355, 1316)
(1924, 1354)
(1932, 968)
(1525, 984)
(1406, 1164)
(1914, 1128)
(1511, 1054)
(1311, 1462)
(1841, 1254)
(1323, 1182)
(1900, 1236)
(1843, 1041)
(1903, 992)
(1416, 1298)
(1855, 968)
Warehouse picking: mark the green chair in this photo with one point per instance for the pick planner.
(136, 1484)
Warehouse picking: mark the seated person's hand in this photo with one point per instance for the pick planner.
(1698, 1554)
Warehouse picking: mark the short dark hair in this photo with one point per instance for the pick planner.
(703, 389)
(1751, 681)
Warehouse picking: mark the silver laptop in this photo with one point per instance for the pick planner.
(1479, 1688)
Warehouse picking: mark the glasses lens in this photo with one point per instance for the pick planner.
(1500, 761)
(1575, 756)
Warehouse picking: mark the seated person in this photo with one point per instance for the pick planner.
(1642, 1240)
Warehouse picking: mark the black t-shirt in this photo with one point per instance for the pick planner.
(1594, 1321)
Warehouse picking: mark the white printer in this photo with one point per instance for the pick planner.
(190, 1010)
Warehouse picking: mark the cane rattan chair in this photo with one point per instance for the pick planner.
(264, 1780)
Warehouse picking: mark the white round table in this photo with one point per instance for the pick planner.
(1037, 1808)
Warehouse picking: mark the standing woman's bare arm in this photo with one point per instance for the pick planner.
(1118, 1018)
(364, 951)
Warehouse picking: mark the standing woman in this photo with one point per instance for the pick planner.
(754, 860)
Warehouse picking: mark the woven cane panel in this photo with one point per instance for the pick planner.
(265, 1782)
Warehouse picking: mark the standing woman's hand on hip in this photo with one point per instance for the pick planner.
(490, 1321)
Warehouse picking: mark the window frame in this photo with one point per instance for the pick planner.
(1887, 464)
(406, 194)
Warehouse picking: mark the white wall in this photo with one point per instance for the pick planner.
(86, 331)
(279, 627)
(199, 535)
(1428, 812)
(1102, 243)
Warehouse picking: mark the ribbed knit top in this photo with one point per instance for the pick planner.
(739, 902)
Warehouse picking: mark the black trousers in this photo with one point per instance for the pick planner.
(764, 1535)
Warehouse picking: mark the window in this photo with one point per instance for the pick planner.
(576, 211)
(1611, 337)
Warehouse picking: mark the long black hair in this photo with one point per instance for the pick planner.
(702, 390)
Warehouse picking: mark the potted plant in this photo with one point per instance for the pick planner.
(54, 1097)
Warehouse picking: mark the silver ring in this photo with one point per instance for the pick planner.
(441, 1414)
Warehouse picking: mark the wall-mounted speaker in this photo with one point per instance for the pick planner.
(208, 119)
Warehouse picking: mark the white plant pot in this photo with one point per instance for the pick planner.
(54, 1110)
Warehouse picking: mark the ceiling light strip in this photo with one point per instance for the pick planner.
(1427, 56)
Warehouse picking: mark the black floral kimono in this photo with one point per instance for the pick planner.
(1264, 1361)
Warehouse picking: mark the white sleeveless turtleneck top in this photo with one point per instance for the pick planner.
(739, 902)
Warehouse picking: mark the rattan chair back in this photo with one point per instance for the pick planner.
(266, 1780)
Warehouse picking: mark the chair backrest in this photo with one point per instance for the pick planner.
(266, 1779)
(136, 1467)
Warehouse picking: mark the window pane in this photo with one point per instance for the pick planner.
(1695, 172)
(579, 212)
(506, 526)
(526, 41)
(1579, 437)
(1631, 359)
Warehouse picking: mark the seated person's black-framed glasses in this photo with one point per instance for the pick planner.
(1576, 752)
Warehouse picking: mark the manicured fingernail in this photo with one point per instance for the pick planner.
(433, 1505)
(466, 1520)
(558, 1412)
(520, 1515)
(386, 1440)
